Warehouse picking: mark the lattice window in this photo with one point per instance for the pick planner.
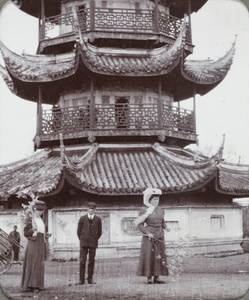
(138, 99)
(105, 99)
(77, 102)
(104, 4)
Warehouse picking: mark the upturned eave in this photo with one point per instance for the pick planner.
(107, 169)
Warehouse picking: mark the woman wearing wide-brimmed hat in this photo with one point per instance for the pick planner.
(33, 265)
(151, 223)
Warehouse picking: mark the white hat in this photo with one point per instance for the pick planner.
(148, 193)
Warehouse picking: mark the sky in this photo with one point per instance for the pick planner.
(223, 111)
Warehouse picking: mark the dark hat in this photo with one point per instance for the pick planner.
(39, 205)
(91, 204)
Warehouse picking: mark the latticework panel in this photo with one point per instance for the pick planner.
(117, 116)
(170, 25)
(69, 119)
(178, 119)
(59, 20)
(115, 19)
(123, 19)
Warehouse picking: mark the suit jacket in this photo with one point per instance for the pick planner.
(89, 234)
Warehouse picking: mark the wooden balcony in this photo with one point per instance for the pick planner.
(117, 120)
(113, 23)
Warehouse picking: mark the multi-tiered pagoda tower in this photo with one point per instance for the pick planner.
(115, 73)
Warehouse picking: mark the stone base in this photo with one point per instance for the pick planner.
(196, 248)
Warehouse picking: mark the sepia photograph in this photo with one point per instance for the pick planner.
(124, 151)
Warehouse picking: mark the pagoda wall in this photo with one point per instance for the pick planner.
(70, 6)
(105, 96)
(110, 4)
(206, 224)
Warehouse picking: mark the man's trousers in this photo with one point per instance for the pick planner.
(84, 251)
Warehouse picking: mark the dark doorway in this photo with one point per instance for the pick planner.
(122, 112)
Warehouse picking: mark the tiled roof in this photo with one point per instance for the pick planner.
(40, 173)
(108, 170)
(133, 62)
(208, 71)
(39, 68)
(108, 61)
(233, 179)
(7, 79)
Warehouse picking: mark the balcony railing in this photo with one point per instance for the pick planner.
(117, 20)
(120, 117)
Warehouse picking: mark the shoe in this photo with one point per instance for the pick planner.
(27, 290)
(149, 281)
(80, 282)
(158, 281)
(91, 282)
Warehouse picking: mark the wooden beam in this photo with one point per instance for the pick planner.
(159, 104)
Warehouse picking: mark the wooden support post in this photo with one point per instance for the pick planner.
(189, 21)
(42, 21)
(194, 107)
(159, 104)
(156, 17)
(92, 15)
(92, 106)
(37, 140)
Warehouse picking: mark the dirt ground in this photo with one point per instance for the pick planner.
(203, 278)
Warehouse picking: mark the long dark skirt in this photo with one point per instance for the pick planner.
(33, 265)
(152, 261)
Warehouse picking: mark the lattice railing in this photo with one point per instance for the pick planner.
(178, 119)
(124, 20)
(117, 117)
(169, 25)
(118, 20)
(54, 22)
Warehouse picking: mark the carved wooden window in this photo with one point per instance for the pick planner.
(105, 99)
(104, 4)
(137, 6)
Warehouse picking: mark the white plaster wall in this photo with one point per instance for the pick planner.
(182, 217)
(116, 233)
(78, 98)
(200, 223)
(193, 222)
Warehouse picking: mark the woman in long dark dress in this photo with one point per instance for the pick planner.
(153, 261)
(33, 265)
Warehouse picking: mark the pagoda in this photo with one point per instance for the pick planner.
(115, 73)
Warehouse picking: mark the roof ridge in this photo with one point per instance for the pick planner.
(19, 163)
(191, 162)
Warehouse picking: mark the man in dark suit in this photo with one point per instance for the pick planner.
(89, 231)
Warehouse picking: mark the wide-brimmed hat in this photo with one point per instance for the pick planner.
(150, 192)
(91, 205)
(39, 205)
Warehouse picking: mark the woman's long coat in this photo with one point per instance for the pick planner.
(152, 261)
(33, 265)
